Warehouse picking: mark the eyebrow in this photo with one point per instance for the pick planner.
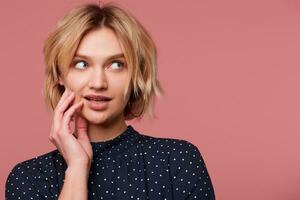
(120, 55)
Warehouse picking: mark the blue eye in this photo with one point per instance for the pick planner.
(117, 64)
(80, 66)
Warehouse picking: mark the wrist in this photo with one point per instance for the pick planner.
(78, 172)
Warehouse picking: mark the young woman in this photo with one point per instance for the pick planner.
(100, 72)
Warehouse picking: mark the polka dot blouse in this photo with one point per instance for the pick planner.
(129, 166)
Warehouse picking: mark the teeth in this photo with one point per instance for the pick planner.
(96, 99)
(93, 99)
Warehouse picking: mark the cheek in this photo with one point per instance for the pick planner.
(119, 82)
(76, 81)
(118, 91)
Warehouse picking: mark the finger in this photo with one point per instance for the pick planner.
(58, 121)
(81, 130)
(63, 97)
(68, 114)
(81, 126)
(56, 118)
(63, 107)
(58, 114)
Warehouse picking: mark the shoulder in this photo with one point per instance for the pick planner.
(38, 161)
(169, 144)
(33, 166)
(179, 153)
(173, 149)
(187, 169)
(28, 178)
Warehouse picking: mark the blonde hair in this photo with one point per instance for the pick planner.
(139, 50)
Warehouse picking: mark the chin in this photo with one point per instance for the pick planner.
(97, 117)
(104, 116)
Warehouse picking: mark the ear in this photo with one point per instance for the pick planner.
(60, 81)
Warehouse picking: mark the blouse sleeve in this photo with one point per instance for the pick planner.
(19, 185)
(190, 178)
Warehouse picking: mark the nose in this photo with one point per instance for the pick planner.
(98, 79)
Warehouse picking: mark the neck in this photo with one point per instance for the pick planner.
(103, 132)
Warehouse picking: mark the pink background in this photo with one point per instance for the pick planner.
(231, 74)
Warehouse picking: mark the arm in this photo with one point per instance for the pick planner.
(75, 148)
(75, 184)
(190, 178)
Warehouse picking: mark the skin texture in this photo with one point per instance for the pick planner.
(97, 74)
(77, 152)
(94, 73)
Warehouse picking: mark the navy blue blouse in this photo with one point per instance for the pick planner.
(129, 166)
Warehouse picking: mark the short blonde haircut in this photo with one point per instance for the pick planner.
(139, 50)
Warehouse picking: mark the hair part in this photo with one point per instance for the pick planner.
(139, 50)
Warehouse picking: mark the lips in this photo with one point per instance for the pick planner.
(97, 98)
(97, 102)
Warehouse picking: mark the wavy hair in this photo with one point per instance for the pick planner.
(139, 50)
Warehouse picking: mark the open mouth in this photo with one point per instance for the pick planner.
(97, 100)
(97, 104)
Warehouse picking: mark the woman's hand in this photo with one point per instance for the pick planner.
(76, 151)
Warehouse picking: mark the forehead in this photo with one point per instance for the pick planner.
(100, 43)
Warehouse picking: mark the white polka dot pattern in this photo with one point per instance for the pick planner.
(130, 166)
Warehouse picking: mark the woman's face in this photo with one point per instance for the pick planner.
(99, 68)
